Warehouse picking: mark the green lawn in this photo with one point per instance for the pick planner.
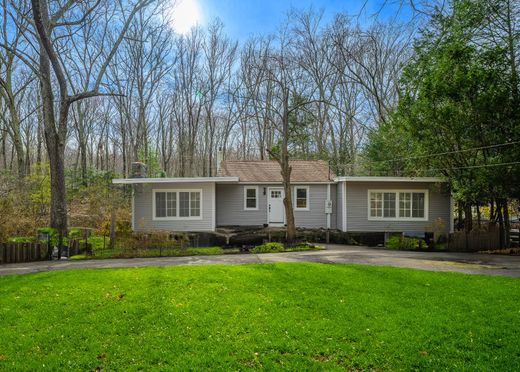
(293, 316)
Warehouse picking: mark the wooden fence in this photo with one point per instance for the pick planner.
(22, 252)
(515, 238)
(474, 241)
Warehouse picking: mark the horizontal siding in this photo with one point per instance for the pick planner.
(143, 208)
(230, 207)
(357, 207)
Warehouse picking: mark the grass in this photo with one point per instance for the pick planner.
(293, 316)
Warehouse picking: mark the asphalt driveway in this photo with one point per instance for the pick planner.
(470, 263)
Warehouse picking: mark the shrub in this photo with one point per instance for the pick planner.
(303, 247)
(403, 242)
(21, 239)
(204, 251)
(78, 257)
(98, 242)
(268, 247)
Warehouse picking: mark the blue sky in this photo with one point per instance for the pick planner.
(246, 17)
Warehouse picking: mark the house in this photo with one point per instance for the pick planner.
(250, 193)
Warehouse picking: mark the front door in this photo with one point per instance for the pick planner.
(276, 212)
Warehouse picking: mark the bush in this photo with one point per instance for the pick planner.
(303, 247)
(78, 257)
(21, 239)
(98, 242)
(403, 242)
(204, 251)
(268, 247)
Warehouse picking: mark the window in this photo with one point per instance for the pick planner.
(411, 205)
(251, 198)
(301, 197)
(276, 194)
(194, 204)
(418, 204)
(165, 204)
(376, 204)
(177, 204)
(184, 204)
(389, 204)
(405, 204)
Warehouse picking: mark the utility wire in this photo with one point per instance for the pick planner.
(474, 166)
(438, 154)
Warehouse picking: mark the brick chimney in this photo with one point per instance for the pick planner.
(138, 170)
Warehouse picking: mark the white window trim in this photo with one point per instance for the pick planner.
(397, 218)
(154, 218)
(308, 198)
(245, 198)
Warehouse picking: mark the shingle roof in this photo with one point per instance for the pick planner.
(269, 171)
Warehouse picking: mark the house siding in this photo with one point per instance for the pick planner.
(357, 207)
(230, 206)
(143, 208)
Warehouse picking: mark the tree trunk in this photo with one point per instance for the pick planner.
(286, 173)
(54, 135)
(500, 223)
(468, 217)
(507, 224)
(460, 211)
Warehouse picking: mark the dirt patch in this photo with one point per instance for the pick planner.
(461, 264)
(508, 251)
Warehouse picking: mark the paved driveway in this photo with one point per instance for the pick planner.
(470, 263)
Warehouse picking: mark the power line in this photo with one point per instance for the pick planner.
(474, 166)
(465, 167)
(438, 154)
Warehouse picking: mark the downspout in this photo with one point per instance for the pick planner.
(133, 207)
(328, 214)
(451, 214)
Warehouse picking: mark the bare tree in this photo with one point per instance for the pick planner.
(219, 57)
(49, 27)
(14, 80)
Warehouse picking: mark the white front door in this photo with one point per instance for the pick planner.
(275, 208)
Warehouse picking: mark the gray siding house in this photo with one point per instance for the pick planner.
(250, 193)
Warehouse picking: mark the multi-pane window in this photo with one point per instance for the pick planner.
(182, 204)
(302, 197)
(399, 205)
(389, 204)
(376, 204)
(195, 204)
(251, 198)
(418, 204)
(165, 204)
(405, 204)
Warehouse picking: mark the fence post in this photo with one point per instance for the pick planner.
(25, 251)
(18, 253)
(7, 253)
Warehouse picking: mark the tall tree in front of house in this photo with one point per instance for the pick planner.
(278, 69)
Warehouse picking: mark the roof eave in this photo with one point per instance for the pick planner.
(293, 182)
(133, 181)
(388, 179)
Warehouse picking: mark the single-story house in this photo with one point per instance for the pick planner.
(250, 193)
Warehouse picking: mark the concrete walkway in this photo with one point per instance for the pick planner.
(470, 263)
